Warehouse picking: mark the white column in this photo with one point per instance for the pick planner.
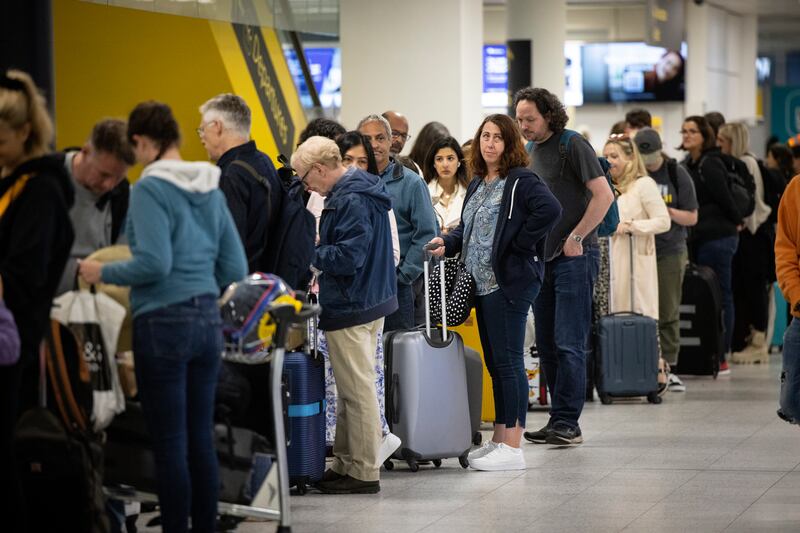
(418, 57)
(721, 72)
(544, 22)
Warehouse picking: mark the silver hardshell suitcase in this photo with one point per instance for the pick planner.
(427, 404)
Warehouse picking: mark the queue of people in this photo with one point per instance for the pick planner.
(520, 203)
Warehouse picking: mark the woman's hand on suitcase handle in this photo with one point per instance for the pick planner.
(435, 247)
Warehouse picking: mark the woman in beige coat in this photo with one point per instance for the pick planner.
(642, 215)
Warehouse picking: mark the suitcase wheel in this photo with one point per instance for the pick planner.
(437, 463)
(605, 399)
(464, 461)
(477, 438)
(388, 464)
(653, 397)
(413, 465)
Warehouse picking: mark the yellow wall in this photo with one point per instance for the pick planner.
(107, 59)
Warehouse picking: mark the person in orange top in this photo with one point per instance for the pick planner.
(787, 270)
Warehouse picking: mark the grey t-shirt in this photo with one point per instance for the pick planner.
(569, 189)
(674, 241)
(92, 227)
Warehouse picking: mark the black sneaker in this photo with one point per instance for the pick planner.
(349, 485)
(564, 436)
(538, 437)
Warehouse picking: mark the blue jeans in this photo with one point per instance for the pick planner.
(718, 255)
(501, 326)
(563, 313)
(177, 350)
(403, 318)
(790, 376)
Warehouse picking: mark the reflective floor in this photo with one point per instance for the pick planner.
(715, 458)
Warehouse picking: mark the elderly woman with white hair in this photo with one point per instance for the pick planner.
(357, 290)
(754, 261)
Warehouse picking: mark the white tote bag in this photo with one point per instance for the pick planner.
(96, 319)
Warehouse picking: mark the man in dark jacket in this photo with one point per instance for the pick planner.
(357, 289)
(249, 179)
(98, 173)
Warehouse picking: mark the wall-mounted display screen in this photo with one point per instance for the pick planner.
(325, 66)
(632, 72)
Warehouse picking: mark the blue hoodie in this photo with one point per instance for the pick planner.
(182, 237)
(529, 211)
(358, 282)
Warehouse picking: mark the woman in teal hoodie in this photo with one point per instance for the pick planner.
(185, 248)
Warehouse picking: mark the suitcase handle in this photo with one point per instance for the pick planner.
(394, 403)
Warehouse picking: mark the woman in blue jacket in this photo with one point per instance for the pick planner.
(185, 248)
(508, 213)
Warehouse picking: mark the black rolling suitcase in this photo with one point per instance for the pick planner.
(701, 325)
(627, 354)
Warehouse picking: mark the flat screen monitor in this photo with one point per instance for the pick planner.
(632, 72)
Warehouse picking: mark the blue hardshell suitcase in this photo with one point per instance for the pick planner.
(627, 353)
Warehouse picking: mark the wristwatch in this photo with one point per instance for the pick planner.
(577, 238)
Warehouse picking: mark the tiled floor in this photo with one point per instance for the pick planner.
(714, 458)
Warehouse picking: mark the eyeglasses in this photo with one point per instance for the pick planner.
(303, 179)
(201, 130)
(400, 135)
(689, 132)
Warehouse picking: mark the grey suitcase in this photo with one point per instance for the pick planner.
(627, 355)
(427, 403)
(474, 392)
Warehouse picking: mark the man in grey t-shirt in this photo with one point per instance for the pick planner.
(563, 309)
(677, 189)
(98, 171)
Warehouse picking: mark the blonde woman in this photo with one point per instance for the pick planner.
(753, 262)
(643, 214)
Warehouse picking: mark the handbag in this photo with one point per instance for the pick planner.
(459, 284)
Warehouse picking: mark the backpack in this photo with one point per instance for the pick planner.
(59, 459)
(741, 183)
(611, 219)
(774, 185)
(672, 172)
(292, 236)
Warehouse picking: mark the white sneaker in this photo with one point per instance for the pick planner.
(389, 445)
(674, 384)
(487, 446)
(503, 457)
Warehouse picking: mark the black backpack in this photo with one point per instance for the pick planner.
(292, 236)
(774, 185)
(59, 459)
(741, 182)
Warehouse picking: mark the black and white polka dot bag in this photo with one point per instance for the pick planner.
(459, 292)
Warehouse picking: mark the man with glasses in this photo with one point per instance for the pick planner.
(399, 125)
(249, 179)
(416, 221)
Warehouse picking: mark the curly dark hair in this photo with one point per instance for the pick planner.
(156, 121)
(514, 154)
(324, 127)
(429, 170)
(548, 105)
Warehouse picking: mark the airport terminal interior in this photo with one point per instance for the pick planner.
(712, 446)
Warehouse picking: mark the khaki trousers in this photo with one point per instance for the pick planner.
(358, 424)
(670, 289)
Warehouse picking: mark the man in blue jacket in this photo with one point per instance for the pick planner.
(357, 289)
(413, 210)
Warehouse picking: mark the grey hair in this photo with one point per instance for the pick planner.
(232, 110)
(377, 118)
